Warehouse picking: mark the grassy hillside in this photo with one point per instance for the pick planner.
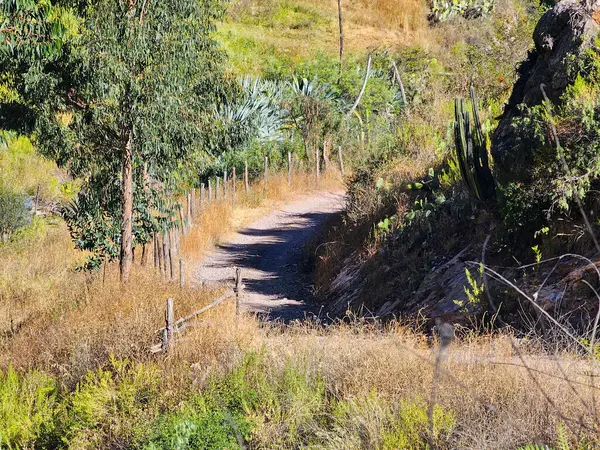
(266, 33)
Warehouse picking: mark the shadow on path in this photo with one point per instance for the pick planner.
(275, 261)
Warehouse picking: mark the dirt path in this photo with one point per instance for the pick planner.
(271, 253)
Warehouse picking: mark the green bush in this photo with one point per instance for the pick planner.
(551, 189)
(111, 408)
(14, 213)
(27, 407)
(200, 424)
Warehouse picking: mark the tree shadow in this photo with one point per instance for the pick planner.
(278, 265)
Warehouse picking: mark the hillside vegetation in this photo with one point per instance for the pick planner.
(434, 329)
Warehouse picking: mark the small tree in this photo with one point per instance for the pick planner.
(128, 106)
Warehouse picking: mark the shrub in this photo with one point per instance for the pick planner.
(552, 188)
(14, 213)
(201, 424)
(112, 407)
(27, 407)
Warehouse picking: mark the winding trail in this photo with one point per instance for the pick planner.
(272, 254)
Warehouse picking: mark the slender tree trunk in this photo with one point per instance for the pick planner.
(341, 21)
(145, 254)
(127, 206)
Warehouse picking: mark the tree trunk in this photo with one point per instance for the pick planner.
(127, 205)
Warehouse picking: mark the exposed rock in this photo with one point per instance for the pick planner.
(563, 33)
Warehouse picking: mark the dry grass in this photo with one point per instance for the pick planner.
(72, 322)
(294, 29)
(36, 275)
(497, 401)
(66, 322)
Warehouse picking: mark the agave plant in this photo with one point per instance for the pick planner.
(472, 152)
(258, 109)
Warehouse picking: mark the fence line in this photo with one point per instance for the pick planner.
(173, 327)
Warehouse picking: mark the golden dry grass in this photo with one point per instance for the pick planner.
(57, 319)
(295, 29)
(498, 403)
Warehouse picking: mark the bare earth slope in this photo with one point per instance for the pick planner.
(271, 253)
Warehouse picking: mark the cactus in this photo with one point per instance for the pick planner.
(442, 10)
(471, 151)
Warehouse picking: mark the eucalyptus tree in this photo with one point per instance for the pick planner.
(31, 36)
(130, 104)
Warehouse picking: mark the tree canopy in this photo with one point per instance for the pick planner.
(123, 107)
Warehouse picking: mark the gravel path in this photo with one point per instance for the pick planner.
(271, 253)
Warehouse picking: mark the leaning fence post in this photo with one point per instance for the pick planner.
(341, 159)
(238, 290)
(182, 218)
(169, 326)
(181, 273)
(164, 255)
(246, 182)
(266, 176)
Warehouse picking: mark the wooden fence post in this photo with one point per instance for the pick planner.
(233, 179)
(181, 273)
(170, 256)
(155, 252)
(164, 255)
(318, 163)
(201, 195)
(169, 330)
(193, 194)
(246, 181)
(217, 188)
(266, 174)
(181, 218)
(189, 209)
(341, 159)
(37, 199)
(225, 183)
(289, 168)
(209, 191)
(238, 290)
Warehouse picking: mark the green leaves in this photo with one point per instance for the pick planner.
(30, 30)
(147, 69)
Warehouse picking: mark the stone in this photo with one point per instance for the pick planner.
(564, 32)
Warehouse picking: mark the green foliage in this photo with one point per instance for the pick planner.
(27, 407)
(200, 424)
(409, 426)
(30, 30)
(549, 192)
(157, 83)
(113, 405)
(442, 10)
(14, 213)
(472, 151)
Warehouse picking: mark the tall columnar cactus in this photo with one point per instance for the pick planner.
(471, 151)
